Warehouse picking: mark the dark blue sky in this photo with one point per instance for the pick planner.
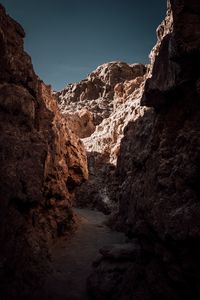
(68, 39)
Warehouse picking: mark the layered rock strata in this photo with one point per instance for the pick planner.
(41, 161)
(158, 173)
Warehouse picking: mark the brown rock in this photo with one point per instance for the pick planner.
(168, 156)
(109, 96)
(40, 163)
(96, 92)
(158, 173)
(104, 144)
(163, 29)
(81, 122)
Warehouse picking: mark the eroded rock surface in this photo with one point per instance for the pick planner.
(102, 150)
(118, 101)
(158, 172)
(96, 92)
(99, 107)
(41, 161)
(81, 122)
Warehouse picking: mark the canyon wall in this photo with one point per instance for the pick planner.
(158, 173)
(96, 92)
(99, 107)
(165, 163)
(41, 161)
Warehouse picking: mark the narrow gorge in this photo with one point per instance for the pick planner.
(99, 188)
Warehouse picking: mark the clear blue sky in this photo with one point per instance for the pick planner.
(68, 39)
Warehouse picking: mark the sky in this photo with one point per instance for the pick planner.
(69, 39)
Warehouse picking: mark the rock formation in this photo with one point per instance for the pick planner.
(99, 108)
(158, 172)
(41, 161)
(140, 127)
(82, 122)
(96, 92)
(103, 149)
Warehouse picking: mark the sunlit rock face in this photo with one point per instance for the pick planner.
(158, 172)
(41, 161)
(126, 106)
(96, 92)
(103, 147)
(99, 108)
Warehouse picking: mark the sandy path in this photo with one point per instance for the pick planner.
(71, 259)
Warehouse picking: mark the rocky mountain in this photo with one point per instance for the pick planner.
(158, 175)
(41, 161)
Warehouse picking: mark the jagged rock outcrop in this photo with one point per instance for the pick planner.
(107, 136)
(96, 92)
(102, 150)
(99, 108)
(163, 29)
(41, 161)
(103, 145)
(158, 174)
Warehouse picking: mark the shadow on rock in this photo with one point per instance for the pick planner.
(98, 191)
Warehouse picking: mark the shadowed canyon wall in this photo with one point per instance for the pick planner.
(158, 172)
(166, 170)
(41, 161)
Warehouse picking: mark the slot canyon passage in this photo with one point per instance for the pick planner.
(99, 182)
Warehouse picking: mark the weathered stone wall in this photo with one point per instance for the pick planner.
(158, 173)
(104, 144)
(96, 92)
(40, 163)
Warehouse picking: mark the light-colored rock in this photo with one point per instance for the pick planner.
(96, 92)
(109, 98)
(126, 107)
(103, 146)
